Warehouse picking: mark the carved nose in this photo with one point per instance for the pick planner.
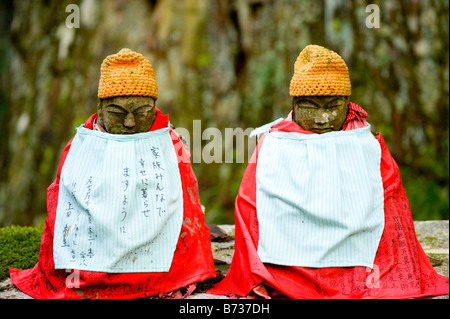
(129, 121)
(321, 118)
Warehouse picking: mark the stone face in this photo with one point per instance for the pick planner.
(126, 114)
(432, 235)
(320, 114)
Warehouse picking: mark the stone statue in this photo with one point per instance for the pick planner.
(124, 216)
(321, 211)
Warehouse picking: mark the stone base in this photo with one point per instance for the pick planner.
(432, 235)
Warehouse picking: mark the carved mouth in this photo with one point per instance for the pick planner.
(321, 130)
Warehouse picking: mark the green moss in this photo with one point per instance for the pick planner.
(429, 240)
(432, 241)
(19, 248)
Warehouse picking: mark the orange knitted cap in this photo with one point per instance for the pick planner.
(127, 73)
(319, 71)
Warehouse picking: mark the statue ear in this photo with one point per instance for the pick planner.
(100, 112)
(293, 109)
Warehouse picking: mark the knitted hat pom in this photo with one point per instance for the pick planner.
(127, 73)
(319, 71)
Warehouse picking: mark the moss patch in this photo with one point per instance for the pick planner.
(19, 248)
(432, 241)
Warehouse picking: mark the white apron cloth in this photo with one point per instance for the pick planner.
(120, 204)
(319, 199)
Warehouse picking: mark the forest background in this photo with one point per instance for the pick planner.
(227, 63)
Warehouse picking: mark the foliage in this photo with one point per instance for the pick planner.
(19, 248)
(427, 199)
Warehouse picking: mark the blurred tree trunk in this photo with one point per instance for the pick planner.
(34, 83)
(226, 63)
(46, 60)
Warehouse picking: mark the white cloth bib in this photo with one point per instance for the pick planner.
(319, 199)
(120, 204)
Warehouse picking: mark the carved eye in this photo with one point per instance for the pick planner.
(304, 105)
(143, 110)
(116, 110)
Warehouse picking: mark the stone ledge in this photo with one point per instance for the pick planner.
(432, 235)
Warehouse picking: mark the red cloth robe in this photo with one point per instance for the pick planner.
(402, 270)
(192, 260)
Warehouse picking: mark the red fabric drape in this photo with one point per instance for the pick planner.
(192, 261)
